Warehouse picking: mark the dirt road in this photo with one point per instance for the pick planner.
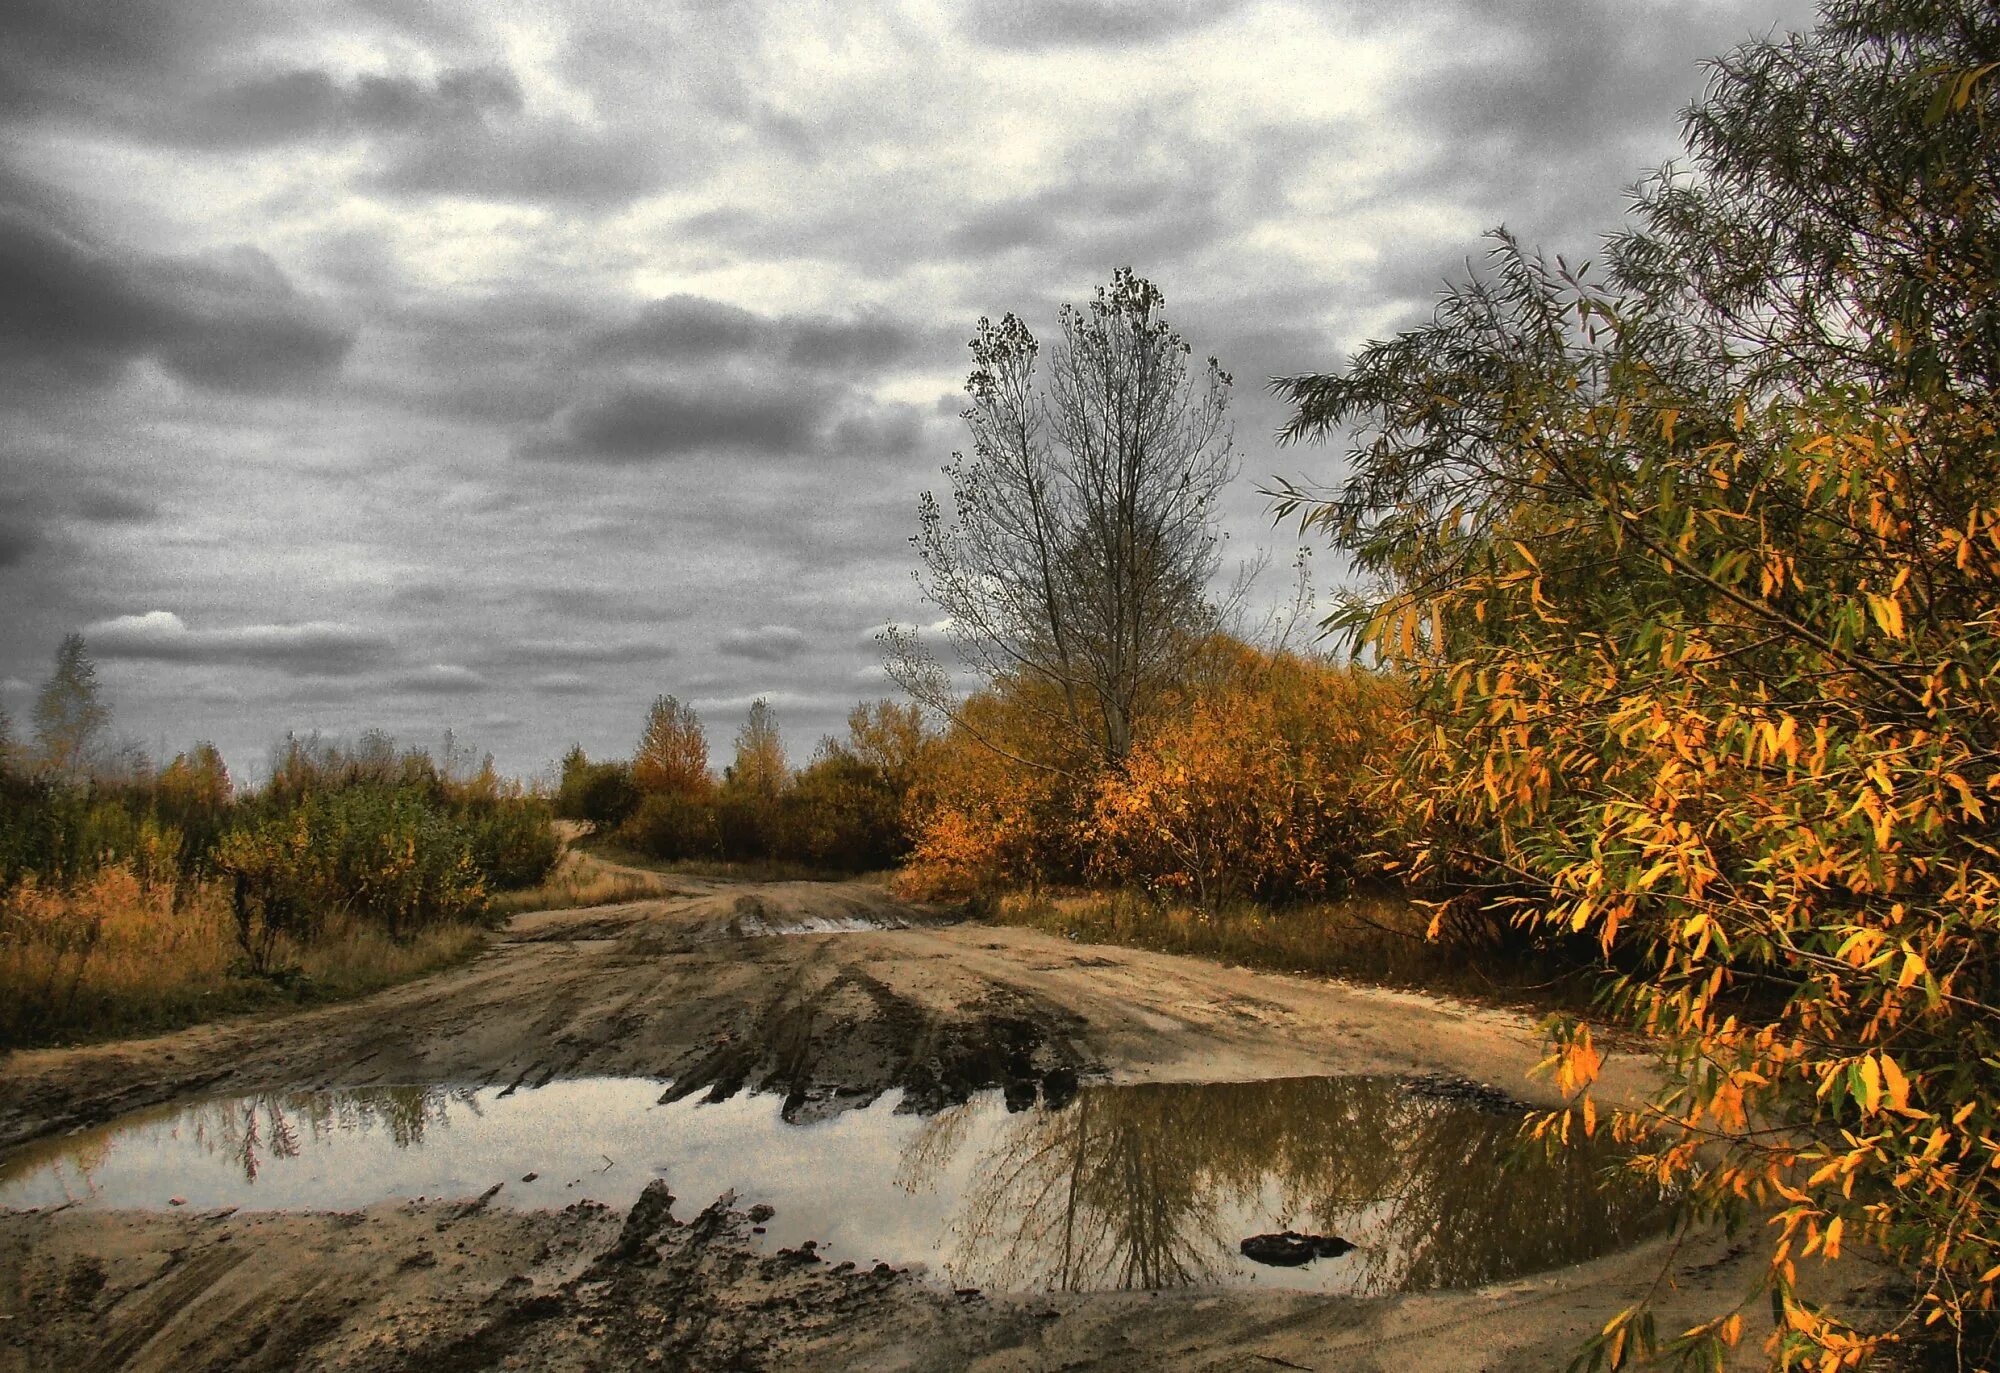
(831, 994)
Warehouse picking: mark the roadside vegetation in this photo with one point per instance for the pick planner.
(1692, 567)
(843, 813)
(136, 897)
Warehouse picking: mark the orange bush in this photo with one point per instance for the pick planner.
(996, 804)
(1257, 788)
(1252, 783)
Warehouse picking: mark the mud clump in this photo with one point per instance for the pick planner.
(1461, 1091)
(688, 1295)
(650, 1214)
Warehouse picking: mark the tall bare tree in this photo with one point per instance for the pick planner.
(1080, 543)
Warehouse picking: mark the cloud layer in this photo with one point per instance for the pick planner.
(501, 367)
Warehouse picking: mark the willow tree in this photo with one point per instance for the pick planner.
(1695, 570)
(1078, 547)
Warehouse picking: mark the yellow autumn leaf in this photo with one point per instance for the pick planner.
(1897, 1085)
(1871, 1085)
(1888, 613)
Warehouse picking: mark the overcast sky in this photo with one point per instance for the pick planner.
(501, 365)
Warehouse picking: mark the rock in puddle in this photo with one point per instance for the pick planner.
(1290, 1249)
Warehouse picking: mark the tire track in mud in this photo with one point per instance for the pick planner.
(830, 1035)
(160, 1305)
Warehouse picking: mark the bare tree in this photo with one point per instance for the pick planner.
(1080, 544)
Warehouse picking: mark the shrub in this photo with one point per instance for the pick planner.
(601, 794)
(513, 840)
(384, 856)
(1257, 788)
(993, 807)
(672, 825)
(840, 812)
(114, 948)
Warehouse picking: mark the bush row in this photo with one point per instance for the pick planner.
(371, 834)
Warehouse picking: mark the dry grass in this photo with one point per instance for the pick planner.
(118, 955)
(580, 880)
(737, 870)
(1368, 938)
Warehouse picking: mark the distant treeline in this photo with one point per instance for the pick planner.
(846, 810)
(1247, 780)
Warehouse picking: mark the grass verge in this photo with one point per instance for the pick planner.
(579, 879)
(119, 955)
(1365, 938)
(745, 870)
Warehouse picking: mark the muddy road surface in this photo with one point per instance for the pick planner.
(833, 1002)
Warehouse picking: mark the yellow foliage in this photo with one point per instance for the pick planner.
(1258, 787)
(1772, 812)
(119, 952)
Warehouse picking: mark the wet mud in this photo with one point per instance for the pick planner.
(908, 1012)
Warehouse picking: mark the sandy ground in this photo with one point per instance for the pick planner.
(684, 988)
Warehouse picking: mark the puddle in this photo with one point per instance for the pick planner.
(760, 926)
(756, 917)
(1089, 1188)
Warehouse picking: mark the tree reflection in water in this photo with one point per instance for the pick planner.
(1106, 1187)
(1154, 1186)
(268, 1124)
(250, 1130)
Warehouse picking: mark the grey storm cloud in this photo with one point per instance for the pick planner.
(886, 431)
(642, 422)
(1541, 112)
(105, 506)
(1151, 220)
(567, 684)
(17, 541)
(1049, 23)
(1154, 185)
(586, 604)
(764, 643)
(440, 679)
(513, 363)
(302, 102)
(63, 56)
(309, 649)
(501, 355)
(171, 75)
(539, 654)
(686, 327)
(82, 309)
(530, 160)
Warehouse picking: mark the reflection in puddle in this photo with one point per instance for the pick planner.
(1104, 1187)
